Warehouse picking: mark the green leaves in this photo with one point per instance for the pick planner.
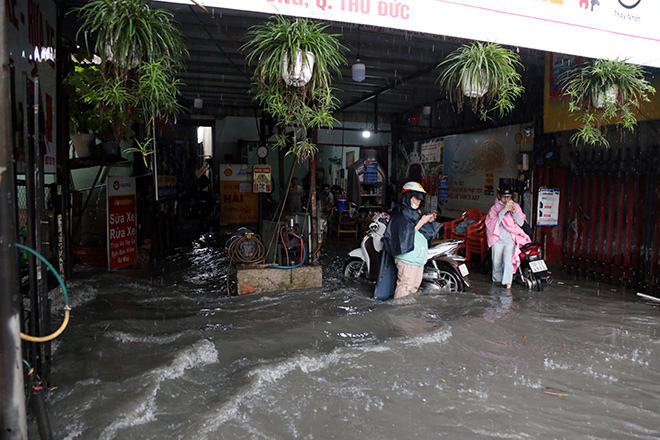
(583, 81)
(143, 149)
(483, 64)
(128, 32)
(141, 51)
(303, 107)
(157, 84)
(83, 102)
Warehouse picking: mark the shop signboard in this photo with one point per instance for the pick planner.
(122, 222)
(624, 29)
(31, 44)
(238, 203)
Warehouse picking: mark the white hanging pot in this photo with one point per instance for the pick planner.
(473, 88)
(301, 72)
(83, 143)
(135, 60)
(600, 98)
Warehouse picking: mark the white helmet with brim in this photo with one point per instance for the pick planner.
(413, 186)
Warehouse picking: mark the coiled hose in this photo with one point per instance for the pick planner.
(67, 309)
(233, 246)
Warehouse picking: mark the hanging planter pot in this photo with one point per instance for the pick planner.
(600, 98)
(474, 86)
(300, 73)
(484, 73)
(296, 93)
(602, 92)
(83, 143)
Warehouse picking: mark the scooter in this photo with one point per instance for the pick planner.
(532, 272)
(444, 270)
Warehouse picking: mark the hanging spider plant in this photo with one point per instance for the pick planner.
(141, 52)
(484, 74)
(279, 84)
(586, 83)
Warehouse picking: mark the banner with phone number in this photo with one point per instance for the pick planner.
(548, 207)
(624, 29)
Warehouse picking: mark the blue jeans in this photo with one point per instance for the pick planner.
(502, 255)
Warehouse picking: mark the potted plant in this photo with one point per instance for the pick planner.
(83, 108)
(140, 52)
(292, 81)
(602, 92)
(485, 74)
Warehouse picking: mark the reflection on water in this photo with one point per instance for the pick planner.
(166, 354)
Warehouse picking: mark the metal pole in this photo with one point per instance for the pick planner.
(39, 237)
(13, 422)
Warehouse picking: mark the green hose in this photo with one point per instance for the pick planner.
(64, 292)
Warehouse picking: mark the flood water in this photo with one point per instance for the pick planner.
(166, 354)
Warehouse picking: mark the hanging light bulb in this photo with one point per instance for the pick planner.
(198, 102)
(359, 71)
(366, 134)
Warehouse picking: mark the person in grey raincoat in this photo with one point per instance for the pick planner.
(406, 243)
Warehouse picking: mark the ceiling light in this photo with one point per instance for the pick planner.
(198, 102)
(366, 134)
(359, 71)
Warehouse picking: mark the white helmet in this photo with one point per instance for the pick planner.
(413, 186)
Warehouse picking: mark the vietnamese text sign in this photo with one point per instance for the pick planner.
(31, 40)
(262, 179)
(238, 204)
(432, 151)
(625, 29)
(548, 207)
(475, 163)
(122, 223)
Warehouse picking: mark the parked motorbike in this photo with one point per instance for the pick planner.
(445, 270)
(532, 272)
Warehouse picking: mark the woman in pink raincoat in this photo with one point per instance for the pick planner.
(505, 235)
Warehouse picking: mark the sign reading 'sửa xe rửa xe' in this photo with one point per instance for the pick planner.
(122, 222)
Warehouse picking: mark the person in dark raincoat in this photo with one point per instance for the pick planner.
(406, 243)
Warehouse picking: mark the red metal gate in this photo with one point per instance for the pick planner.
(613, 232)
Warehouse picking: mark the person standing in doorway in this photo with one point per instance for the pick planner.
(406, 242)
(505, 236)
(327, 199)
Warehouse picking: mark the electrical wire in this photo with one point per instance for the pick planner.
(67, 309)
(303, 255)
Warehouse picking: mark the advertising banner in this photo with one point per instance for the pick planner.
(122, 222)
(474, 163)
(262, 179)
(238, 204)
(597, 29)
(432, 151)
(548, 207)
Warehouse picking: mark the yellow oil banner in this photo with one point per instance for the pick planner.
(238, 203)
